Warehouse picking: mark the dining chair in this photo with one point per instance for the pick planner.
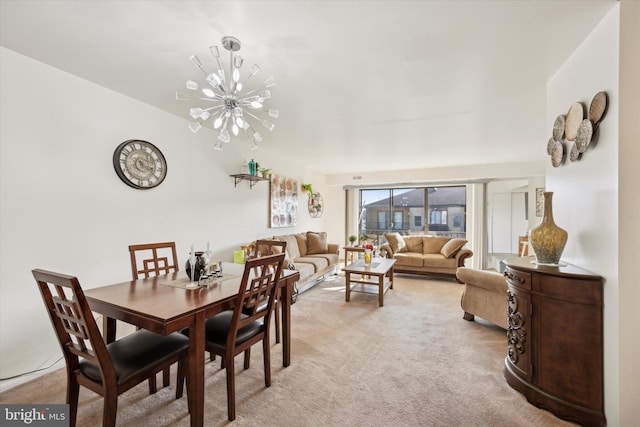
(234, 331)
(107, 369)
(148, 260)
(154, 259)
(266, 247)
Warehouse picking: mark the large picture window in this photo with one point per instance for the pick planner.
(419, 210)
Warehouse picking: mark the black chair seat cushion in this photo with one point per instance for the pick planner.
(138, 352)
(217, 328)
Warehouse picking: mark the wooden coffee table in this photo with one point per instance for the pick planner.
(380, 268)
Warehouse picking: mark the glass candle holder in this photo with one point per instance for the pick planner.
(368, 254)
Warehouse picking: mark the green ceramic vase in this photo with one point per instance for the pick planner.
(547, 239)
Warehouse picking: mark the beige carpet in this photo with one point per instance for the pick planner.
(413, 362)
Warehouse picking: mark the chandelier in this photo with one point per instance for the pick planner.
(232, 111)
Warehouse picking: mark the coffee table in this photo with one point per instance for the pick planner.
(380, 268)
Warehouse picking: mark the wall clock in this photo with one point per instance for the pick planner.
(139, 164)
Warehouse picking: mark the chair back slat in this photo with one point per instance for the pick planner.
(72, 320)
(152, 259)
(266, 247)
(259, 284)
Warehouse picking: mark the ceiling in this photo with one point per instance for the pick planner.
(361, 85)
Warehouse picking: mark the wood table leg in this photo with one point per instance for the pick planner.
(381, 290)
(108, 329)
(347, 293)
(286, 322)
(196, 370)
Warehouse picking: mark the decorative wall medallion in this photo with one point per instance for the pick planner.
(572, 134)
(558, 128)
(598, 107)
(139, 164)
(574, 152)
(557, 154)
(573, 120)
(583, 138)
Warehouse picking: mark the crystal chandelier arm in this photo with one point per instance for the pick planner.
(195, 61)
(267, 84)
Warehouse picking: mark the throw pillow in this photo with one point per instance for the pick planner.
(302, 243)
(396, 242)
(317, 243)
(452, 247)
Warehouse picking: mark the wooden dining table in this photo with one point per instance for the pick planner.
(152, 304)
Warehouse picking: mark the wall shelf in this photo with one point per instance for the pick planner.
(315, 205)
(246, 177)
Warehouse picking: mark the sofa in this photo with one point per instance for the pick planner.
(310, 254)
(424, 254)
(484, 295)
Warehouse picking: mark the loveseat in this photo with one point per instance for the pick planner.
(484, 295)
(311, 255)
(424, 254)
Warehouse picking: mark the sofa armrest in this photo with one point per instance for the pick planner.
(333, 249)
(462, 255)
(387, 248)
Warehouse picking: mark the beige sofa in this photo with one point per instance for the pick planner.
(311, 255)
(423, 254)
(484, 295)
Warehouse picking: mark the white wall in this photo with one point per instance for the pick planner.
(587, 204)
(63, 208)
(629, 212)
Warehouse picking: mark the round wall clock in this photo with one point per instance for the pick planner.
(139, 164)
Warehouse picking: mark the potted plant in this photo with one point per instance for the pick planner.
(266, 172)
(307, 188)
(362, 238)
(352, 239)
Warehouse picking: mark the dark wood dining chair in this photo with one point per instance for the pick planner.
(234, 331)
(266, 247)
(107, 369)
(152, 259)
(148, 260)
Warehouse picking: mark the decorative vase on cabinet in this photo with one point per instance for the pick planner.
(547, 239)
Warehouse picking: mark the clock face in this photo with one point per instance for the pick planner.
(139, 164)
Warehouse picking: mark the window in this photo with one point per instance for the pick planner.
(419, 210)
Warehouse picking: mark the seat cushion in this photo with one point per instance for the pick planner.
(438, 260)
(143, 350)
(217, 328)
(319, 262)
(408, 259)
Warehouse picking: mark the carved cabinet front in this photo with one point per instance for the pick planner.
(555, 339)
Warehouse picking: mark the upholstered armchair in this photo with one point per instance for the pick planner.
(484, 295)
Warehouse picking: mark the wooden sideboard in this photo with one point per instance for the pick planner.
(555, 340)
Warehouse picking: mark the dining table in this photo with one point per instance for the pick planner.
(154, 304)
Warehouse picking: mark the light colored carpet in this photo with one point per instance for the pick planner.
(413, 362)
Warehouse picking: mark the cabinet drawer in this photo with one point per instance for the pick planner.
(518, 278)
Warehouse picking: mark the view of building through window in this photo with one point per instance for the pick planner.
(437, 211)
